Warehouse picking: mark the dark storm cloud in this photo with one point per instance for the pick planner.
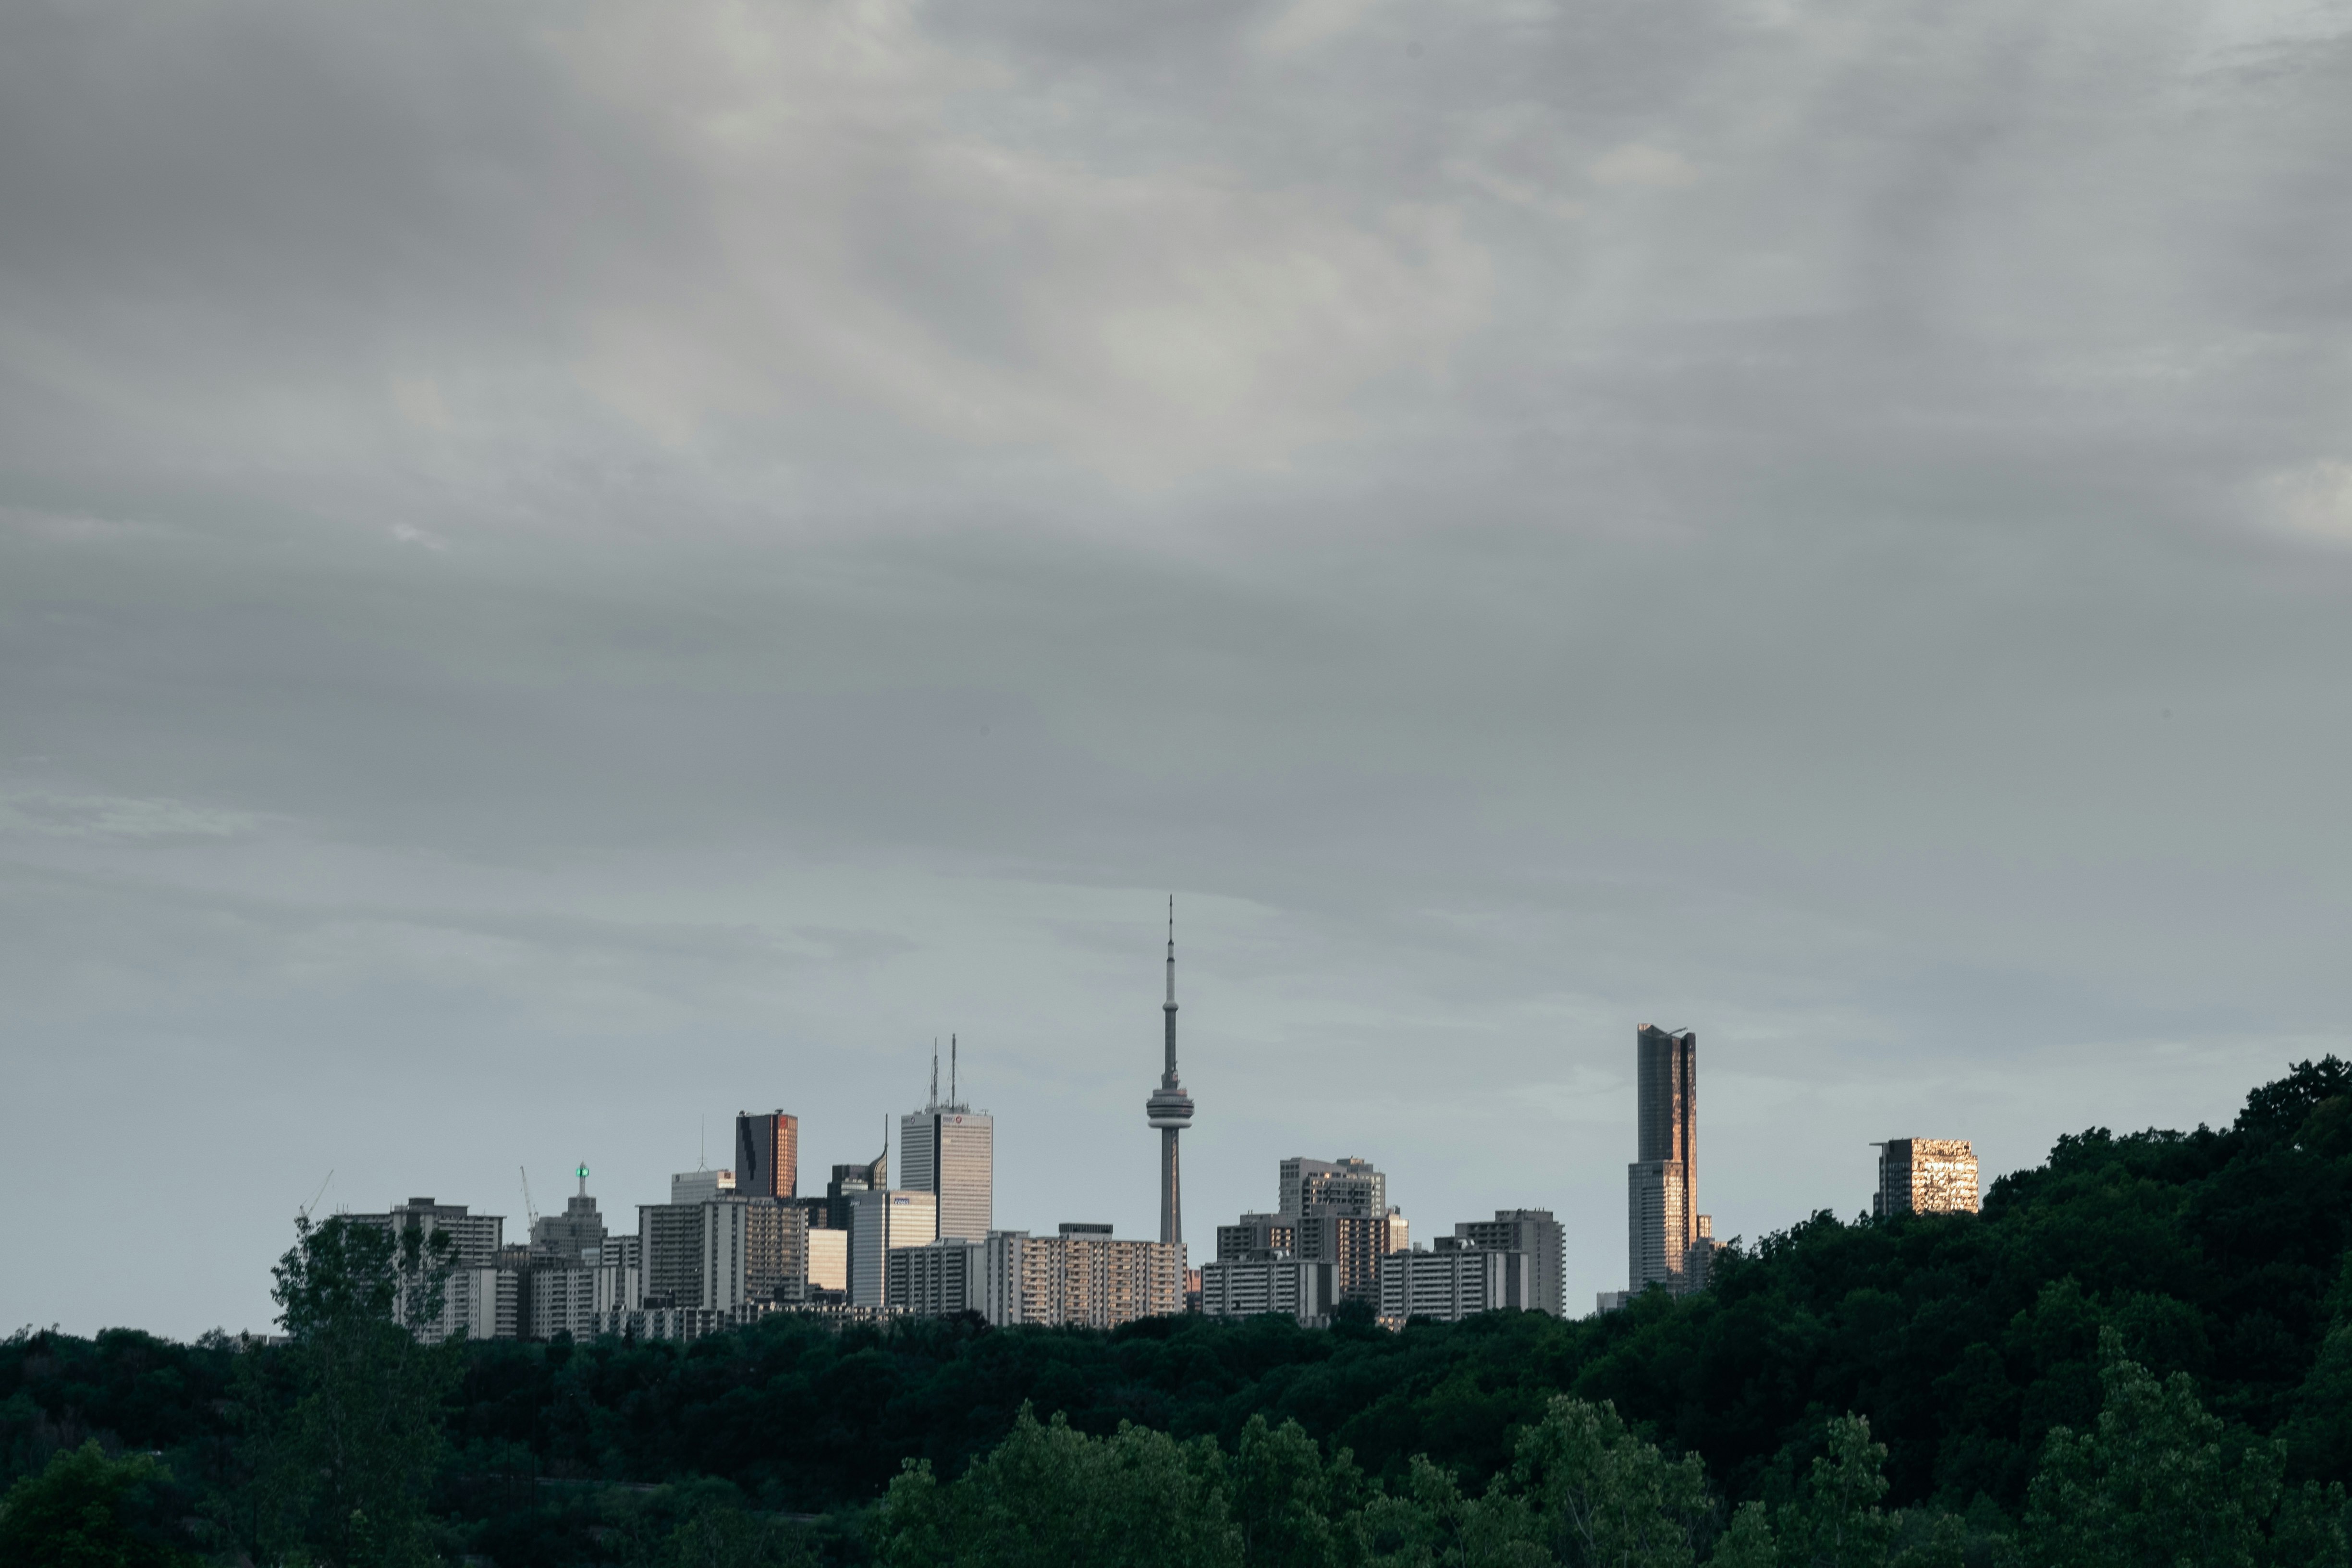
(564, 569)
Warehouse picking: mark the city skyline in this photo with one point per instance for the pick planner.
(923, 1238)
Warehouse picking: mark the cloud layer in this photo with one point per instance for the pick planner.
(565, 571)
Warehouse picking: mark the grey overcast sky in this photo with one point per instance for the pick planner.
(570, 569)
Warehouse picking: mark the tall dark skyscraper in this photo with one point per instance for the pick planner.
(767, 1154)
(1662, 1220)
(1169, 1109)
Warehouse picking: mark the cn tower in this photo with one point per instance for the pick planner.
(1169, 1109)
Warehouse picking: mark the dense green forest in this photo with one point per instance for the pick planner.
(2139, 1352)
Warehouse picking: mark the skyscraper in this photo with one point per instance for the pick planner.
(767, 1154)
(1169, 1109)
(879, 1220)
(949, 1150)
(573, 1238)
(870, 1176)
(1662, 1216)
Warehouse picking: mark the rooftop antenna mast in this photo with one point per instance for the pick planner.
(952, 1100)
(935, 1073)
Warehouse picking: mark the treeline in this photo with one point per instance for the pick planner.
(2216, 1260)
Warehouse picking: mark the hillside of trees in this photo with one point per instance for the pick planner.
(2141, 1350)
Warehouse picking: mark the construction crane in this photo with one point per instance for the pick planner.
(526, 1198)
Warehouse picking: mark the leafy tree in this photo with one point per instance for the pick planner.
(719, 1533)
(2157, 1482)
(1749, 1542)
(86, 1511)
(1291, 1508)
(1837, 1523)
(1417, 1523)
(1049, 1497)
(1591, 1493)
(345, 1470)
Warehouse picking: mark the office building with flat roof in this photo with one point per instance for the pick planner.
(949, 1150)
(1925, 1175)
(867, 1176)
(767, 1154)
(828, 1265)
(879, 1222)
(701, 1186)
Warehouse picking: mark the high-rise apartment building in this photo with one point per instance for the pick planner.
(722, 1253)
(669, 1243)
(1925, 1175)
(1662, 1219)
(1348, 1185)
(1530, 1231)
(1082, 1276)
(562, 1301)
(1270, 1281)
(1086, 1275)
(474, 1238)
(1335, 1212)
(767, 1154)
(1258, 1233)
(949, 1150)
(1452, 1282)
(944, 1279)
(478, 1297)
(1170, 1111)
(1352, 1244)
